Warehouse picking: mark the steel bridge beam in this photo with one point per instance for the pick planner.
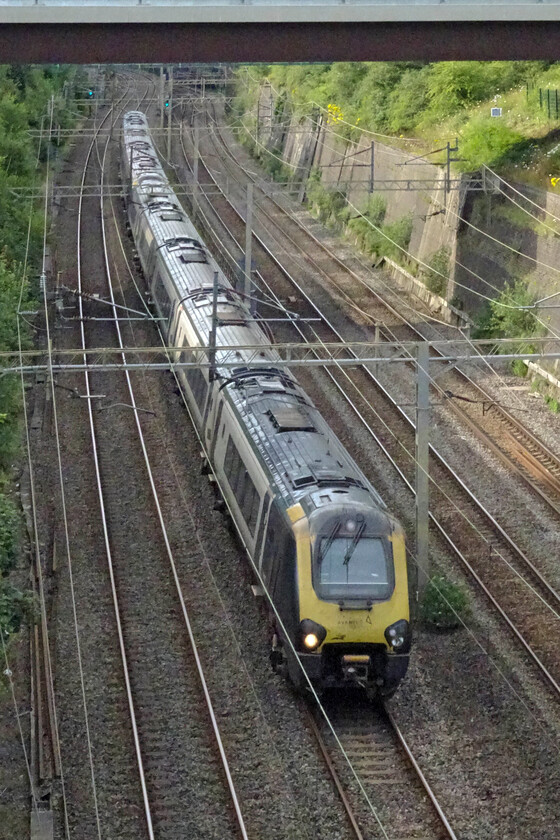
(266, 32)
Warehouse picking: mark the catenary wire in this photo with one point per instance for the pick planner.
(412, 457)
(486, 363)
(509, 684)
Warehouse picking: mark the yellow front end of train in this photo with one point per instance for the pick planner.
(353, 600)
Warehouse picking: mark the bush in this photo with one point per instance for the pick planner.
(25, 93)
(15, 606)
(408, 100)
(376, 209)
(274, 165)
(9, 522)
(444, 604)
(439, 265)
(552, 403)
(368, 239)
(503, 318)
(372, 241)
(486, 140)
(327, 203)
(400, 232)
(519, 368)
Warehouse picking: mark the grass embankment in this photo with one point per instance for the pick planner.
(420, 107)
(432, 103)
(25, 96)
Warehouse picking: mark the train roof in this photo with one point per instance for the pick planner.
(303, 455)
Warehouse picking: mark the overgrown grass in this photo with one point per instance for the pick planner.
(376, 237)
(25, 94)
(503, 318)
(519, 368)
(548, 392)
(9, 527)
(437, 276)
(15, 607)
(327, 203)
(431, 102)
(517, 217)
(552, 403)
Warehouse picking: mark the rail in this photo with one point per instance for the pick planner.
(545, 672)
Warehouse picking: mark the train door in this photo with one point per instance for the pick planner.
(263, 530)
(279, 568)
(176, 336)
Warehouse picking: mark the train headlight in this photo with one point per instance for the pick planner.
(398, 636)
(311, 634)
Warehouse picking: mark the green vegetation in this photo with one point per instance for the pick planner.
(25, 95)
(373, 236)
(10, 387)
(486, 140)
(519, 368)
(444, 604)
(327, 203)
(378, 238)
(15, 606)
(398, 235)
(271, 161)
(503, 318)
(9, 523)
(430, 102)
(364, 227)
(552, 403)
(435, 278)
(548, 392)
(517, 217)
(422, 107)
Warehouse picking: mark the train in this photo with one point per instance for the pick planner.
(330, 557)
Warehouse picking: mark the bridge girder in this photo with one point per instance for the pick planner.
(242, 32)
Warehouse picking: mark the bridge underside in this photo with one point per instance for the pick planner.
(86, 43)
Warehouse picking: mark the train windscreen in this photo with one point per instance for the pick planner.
(347, 568)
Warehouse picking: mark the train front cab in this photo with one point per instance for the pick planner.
(353, 600)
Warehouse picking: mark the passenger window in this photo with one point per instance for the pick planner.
(255, 507)
(242, 485)
(196, 379)
(161, 296)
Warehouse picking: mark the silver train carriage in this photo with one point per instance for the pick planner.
(331, 556)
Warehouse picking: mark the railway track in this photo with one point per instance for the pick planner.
(355, 741)
(420, 793)
(504, 571)
(362, 743)
(369, 759)
(158, 739)
(160, 665)
(153, 621)
(165, 657)
(493, 424)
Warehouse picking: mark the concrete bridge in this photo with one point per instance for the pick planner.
(265, 31)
